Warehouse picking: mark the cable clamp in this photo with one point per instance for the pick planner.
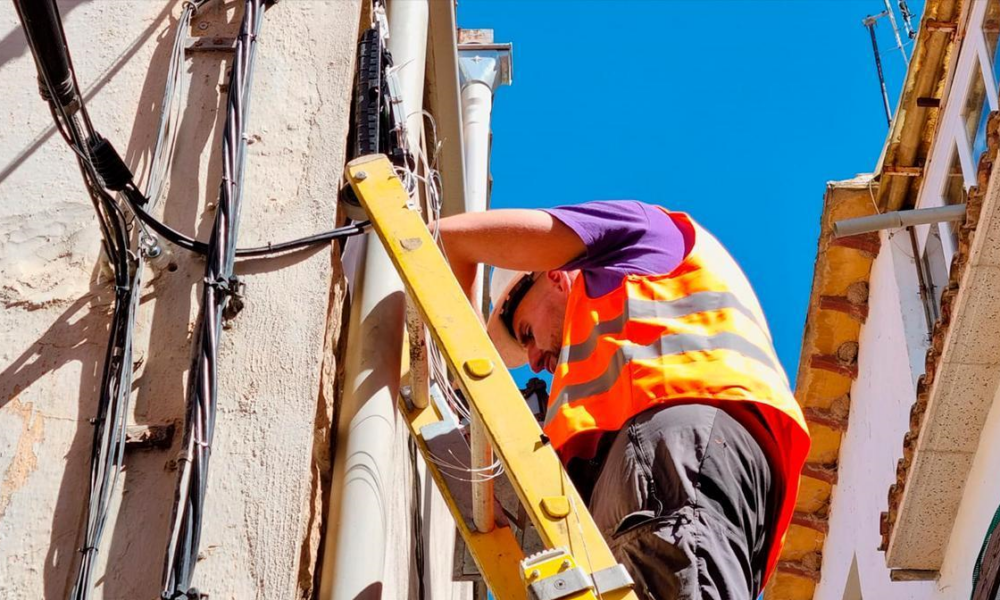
(191, 594)
(231, 290)
(226, 287)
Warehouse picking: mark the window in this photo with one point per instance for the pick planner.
(954, 182)
(935, 268)
(952, 190)
(953, 159)
(975, 111)
(991, 36)
(991, 32)
(986, 573)
(979, 141)
(961, 139)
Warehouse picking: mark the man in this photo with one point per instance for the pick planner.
(668, 403)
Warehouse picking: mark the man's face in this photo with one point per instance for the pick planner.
(538, 319)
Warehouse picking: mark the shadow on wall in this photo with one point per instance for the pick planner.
(79, 334)
(135, 537)
(140, 530)
(136, 533)
(14, 45)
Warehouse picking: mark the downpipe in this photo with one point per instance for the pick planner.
(365, 476)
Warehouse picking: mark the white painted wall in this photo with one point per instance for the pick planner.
(880, 405)
(893, 346)
(890, 360)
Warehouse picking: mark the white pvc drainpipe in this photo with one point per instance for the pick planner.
(482, 68)
(898, 219)
(364, 476)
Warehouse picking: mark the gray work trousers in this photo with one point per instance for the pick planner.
(684, 497)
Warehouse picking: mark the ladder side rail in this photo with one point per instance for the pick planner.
(536, 474)
(497, 553)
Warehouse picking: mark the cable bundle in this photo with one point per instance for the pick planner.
(103, 172)
(121, 209)
(218, 291)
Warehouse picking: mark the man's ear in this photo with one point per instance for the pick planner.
(558, 279)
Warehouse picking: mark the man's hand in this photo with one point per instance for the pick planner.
(517, 239)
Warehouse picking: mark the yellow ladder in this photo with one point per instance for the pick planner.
(577, 563)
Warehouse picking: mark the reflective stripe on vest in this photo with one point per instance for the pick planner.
(696, 334)
(665, 346)
(654, 309)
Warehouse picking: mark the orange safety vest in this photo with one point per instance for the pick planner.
(695, 335)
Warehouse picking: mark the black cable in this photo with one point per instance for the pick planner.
(57, 82)
(417, 521)
(319, 238)
(188, 243)
(104, 172)
(220, 289)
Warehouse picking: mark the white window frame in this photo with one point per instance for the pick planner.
(951, 132)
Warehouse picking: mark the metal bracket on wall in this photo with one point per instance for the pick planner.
(210, 44)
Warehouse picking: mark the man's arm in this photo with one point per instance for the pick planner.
(517, 239)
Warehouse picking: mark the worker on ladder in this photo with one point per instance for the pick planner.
(668, 404)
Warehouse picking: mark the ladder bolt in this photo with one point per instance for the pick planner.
(479, 367)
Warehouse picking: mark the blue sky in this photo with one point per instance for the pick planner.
(736, 111)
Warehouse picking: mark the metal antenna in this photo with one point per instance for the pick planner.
(869, 22)
(895, 31)
(907, 19)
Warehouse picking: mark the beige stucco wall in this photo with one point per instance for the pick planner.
(260, 529)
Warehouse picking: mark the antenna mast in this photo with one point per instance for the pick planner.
(895, 31)
(869, 22)
(907, 19)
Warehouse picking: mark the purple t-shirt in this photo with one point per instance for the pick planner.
(623, 237)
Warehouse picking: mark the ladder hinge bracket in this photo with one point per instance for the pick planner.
(553, 575)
